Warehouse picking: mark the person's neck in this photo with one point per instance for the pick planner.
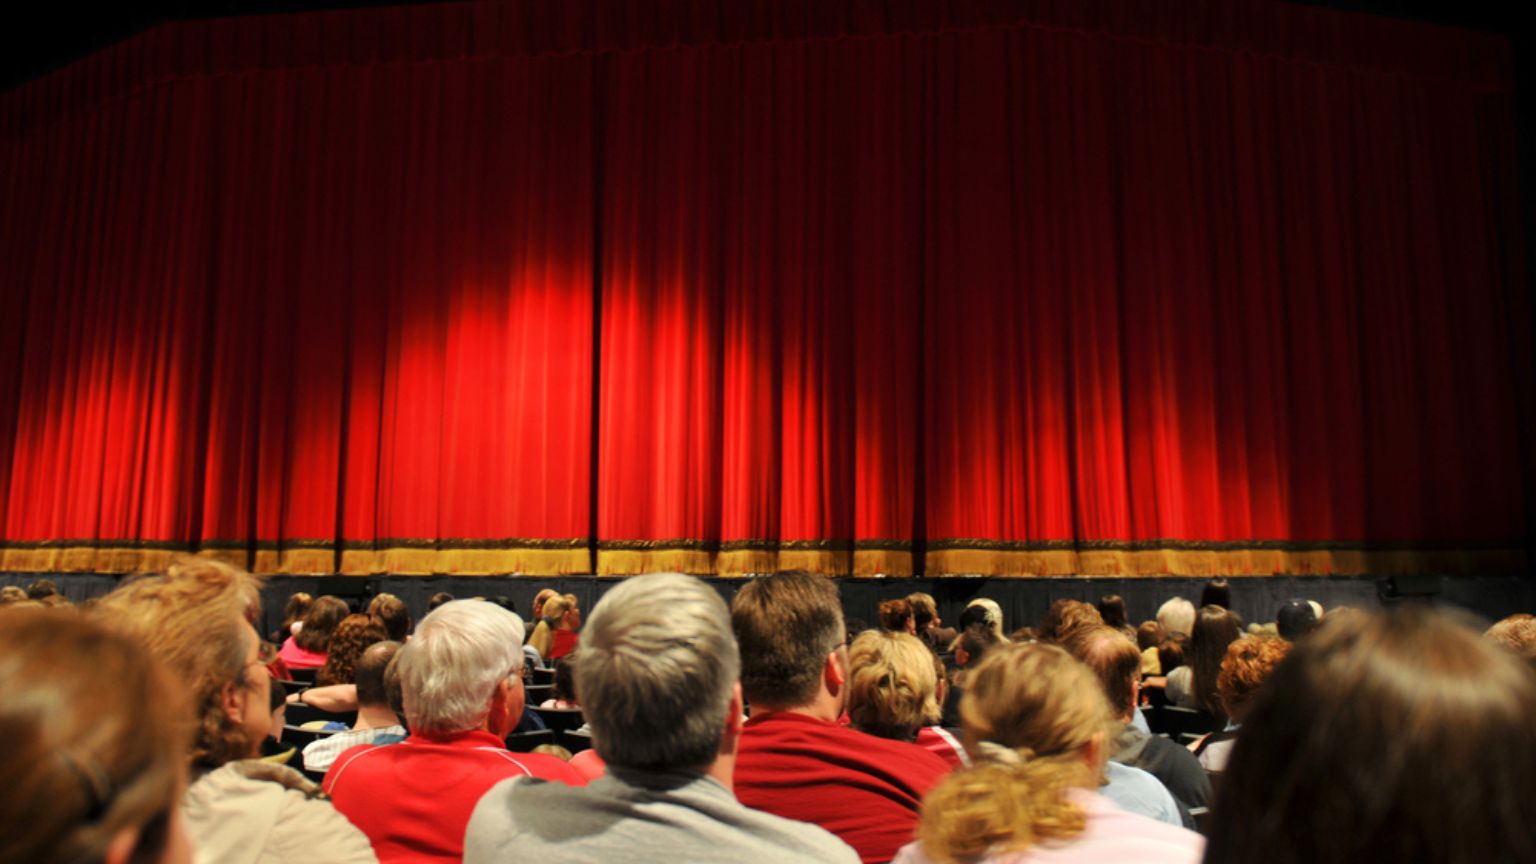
(375, 717)
(824, 706)
(723, 771)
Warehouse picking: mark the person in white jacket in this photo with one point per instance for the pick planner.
(196, 619)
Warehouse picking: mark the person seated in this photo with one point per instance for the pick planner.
(1193, 685)
(1065, 616)
(1115, 663)
(306, 648)
(96, 741)
(893, 692)
(293, 616)
(1148, 636)
(896, 617)
(352, 635)
(1248, 663)
(658, 678)
(1295, 619)
(930, 627)
(564, 693)
(1034, 725)
(556, 633)
(970, 647)
(1177, 615)
(1384, 737)
(1516, 634)
(197, 620)
(376, 718)
(795, 760)
(461, 679)
(391, 613)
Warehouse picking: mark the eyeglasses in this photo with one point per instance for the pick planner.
(266, 654)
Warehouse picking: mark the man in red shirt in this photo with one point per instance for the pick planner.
(795, 760)
(461, 675)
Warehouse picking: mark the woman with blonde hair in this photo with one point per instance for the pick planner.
(95, 745)
(556, 636)
(894, 692)
(1037, 726)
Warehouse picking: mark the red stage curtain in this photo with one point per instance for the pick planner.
(861, 287)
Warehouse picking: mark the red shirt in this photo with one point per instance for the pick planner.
(300, 658)
(943, 744)
(565, 642)
(414, 799)
(864, 789)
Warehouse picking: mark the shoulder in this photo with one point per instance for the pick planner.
(273, 808)
(1116, 833)
(540, 766)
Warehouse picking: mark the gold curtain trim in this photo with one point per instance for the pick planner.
(630, 562)
(1230, 562)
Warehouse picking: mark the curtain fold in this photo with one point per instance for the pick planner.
(869, 288)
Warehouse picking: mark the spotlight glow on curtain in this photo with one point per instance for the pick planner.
(861, 287)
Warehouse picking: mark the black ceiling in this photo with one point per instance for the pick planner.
(44, 38)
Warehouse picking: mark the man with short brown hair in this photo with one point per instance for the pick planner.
(795, 760)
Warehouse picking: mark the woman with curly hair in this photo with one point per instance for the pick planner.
(1036, 725)
(348, 641)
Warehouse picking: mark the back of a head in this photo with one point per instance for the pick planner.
(371, 689)
(1065, 616)
(1112, 610)
(1112, 658)
(194, 620)
(42, 588)
(786, 625)
(437, 600)
(320, 622)
(1215, 629)
(96, 738)
(393, 614)
(351, 636)
(1517, 635)
(1295, 619)
(1030, 712)
(1177, 616)
(991, 612)
(924, 609)
(891, 684)
(977, 641)
(1397, 737)
(895, 615)
(1249, 661)
(655, 673)
(294, 610)
(1217, 592)
(450, 668)
(1149, 635)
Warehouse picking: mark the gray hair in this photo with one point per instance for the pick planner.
(450, 668)
(1176, 616)
(655, 671)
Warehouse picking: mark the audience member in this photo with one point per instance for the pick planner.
(896, 617)
(461, 675)
(1035, 722)
(376, 719)
(564, 693)
(988, 610)
(1116, 663)
(348, 641)
(1295, 620)
(539, 600)
(893, 692)
(1148, 636)
(556, 634)
(1112, 610)
(1194, 684)
(1517, 634)
(1217, 592)
(930, 628)
(393, 616)
(795, 760)
(1248, 662)
(42, 589)
(196, 619)
(658, 675)
(1176, 616)
(12, 594)
(437, 600)
(306, 649)
(293, 616)
(1065, 616)
(1395, 737)
(96, 740)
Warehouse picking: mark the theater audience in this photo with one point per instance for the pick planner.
(196, 619)
(376, 719)
(461, 677)
(556, 633)
(658, 677)
(1248, 662)
(930, 628)
(1193, 685)
(354, 634)
(392, 615)
(96, 741)
(1295, 619)
(893, 692)
(1115, 663)
(896, 617)
(306, 649)
(1396, 737)
(795, 760)
(1176, 616)
(1035, 722)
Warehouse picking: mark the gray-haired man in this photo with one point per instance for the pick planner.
(657, 676)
